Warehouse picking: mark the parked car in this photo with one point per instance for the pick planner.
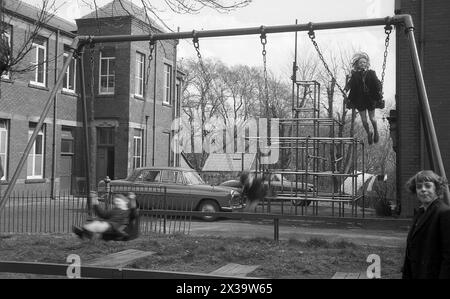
(278, 184)
(185, 190)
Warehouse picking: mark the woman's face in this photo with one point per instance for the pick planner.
(362, 64)
(426, 192)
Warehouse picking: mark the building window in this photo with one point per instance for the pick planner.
(178, 97)
(107, 74)
(140, 67)
(67, 141)
(6, 37)
(70, 76)
(4, 147)
(167, 83)
(105, 136)
(40, 62)
(35, 169)
(137, 148)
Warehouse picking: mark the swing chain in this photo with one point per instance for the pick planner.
(264, 54)
(150, 59)
(199, 55)
(196, 45)
(152, 48)
(312, 36)
(387, 30)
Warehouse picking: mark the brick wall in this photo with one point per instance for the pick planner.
(434, 46)
(21, 103)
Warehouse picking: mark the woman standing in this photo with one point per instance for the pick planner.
(428, 243)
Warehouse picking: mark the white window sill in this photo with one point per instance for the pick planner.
(34, 180)
(37, 85)
(68, 90)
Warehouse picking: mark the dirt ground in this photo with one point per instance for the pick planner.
(290, 258)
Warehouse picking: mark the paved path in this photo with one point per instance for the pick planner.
(386, 238)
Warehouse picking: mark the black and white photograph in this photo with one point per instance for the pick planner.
(223, 147)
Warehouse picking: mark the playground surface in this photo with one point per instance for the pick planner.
(303, 232)
(301, 253)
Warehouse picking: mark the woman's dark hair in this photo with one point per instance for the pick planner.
(426, 176)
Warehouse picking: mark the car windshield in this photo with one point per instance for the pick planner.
(146, 175)
(192, 178)
(133, 175)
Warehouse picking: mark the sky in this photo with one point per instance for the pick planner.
(247, 50)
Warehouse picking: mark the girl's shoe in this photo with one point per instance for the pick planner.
(370, 138)
(376, 138)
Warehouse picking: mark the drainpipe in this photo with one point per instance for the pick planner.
(52, 187)
(146, 140)
(172, 154)
(154, 107)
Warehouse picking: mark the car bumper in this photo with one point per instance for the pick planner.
(233, 208)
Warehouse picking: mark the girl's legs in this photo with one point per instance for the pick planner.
(363, 115)
(374, 125)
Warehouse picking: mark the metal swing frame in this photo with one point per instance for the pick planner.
(80, 42)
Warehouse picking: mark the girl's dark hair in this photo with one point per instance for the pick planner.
(426, 176)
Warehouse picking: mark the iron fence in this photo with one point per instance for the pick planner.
(38, 212)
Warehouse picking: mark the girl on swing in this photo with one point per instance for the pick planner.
(365, 93)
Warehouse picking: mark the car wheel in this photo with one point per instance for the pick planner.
(209, 206)
(301, 202)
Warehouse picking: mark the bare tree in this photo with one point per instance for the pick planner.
(177, 6)
(11, 58)
(201, 101)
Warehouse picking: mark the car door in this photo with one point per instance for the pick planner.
(176, 189)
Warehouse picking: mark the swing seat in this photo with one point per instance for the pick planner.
(125, 233)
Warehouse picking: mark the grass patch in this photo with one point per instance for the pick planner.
(314, 258)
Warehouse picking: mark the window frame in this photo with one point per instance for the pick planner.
(4, 130)
(139, 77)
(8, 35)
(108, 75)
(36, 63)
(167, 97)
(144, 173)
(33, 154)
(137, 156)
(71, 70)
(177, 96)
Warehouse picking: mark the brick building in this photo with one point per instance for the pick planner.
(432, 32)
(23, 96)
(133, 111)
